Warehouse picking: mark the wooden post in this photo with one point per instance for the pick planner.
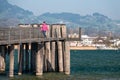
(60, 54)
(11, 69)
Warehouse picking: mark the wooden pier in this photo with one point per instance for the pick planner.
(35, 53)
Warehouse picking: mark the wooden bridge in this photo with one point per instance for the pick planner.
(47, 54)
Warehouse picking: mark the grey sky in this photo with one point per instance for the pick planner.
(109, 8)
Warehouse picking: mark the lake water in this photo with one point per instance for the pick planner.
(85, 65)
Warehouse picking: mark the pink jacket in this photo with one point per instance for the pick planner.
(44, 27)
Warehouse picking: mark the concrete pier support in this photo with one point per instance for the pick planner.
(11, 67)
(2, 58)
(20, 63)
(36, 54)
(60, 52)
(27, 57)
(53, 49)
(33, 56)
(67, 58)
(39, 60)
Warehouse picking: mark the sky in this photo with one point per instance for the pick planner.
(110, 8)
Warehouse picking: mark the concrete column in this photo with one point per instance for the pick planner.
(20, 50)
(3, 51)
(48, 55)
(44, 58)
(67, 58)
(53, 49)
(41, 57)
(53, 56)
(26, 57)
(11, 67)
(64, 35)
(2, 58)
(33, 47)
(39, 61)
(60, 51)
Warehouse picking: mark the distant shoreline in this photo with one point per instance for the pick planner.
(82, 48)
(89, 48)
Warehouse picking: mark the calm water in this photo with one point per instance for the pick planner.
(85, 65)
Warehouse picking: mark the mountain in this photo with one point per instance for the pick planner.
(95, 24)
(13, 15)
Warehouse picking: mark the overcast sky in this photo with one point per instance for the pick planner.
(110, 8)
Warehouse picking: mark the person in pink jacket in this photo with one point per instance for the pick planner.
(44, 28)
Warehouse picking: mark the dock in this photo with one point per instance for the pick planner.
(50, 54)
